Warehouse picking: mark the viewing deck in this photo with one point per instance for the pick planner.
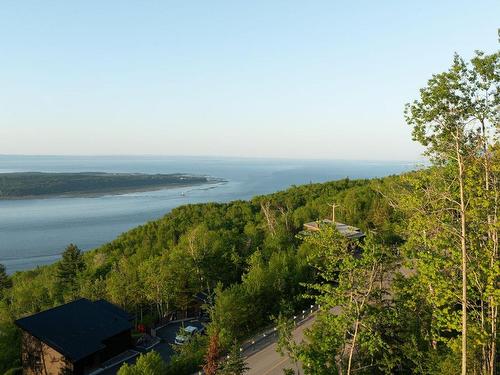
(344, 229)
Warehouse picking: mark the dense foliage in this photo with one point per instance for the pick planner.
(234, 363)
(246, 253)
(146, 364)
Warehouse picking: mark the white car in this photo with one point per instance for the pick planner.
(185, 335)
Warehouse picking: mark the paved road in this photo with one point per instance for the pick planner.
(269, 362)
(167, 335)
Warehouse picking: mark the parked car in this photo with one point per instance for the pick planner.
(185, 335)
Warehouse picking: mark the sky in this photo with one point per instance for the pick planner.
(288, 79)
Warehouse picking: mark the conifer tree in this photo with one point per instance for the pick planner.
(5, 281)
(234, 364)
(69, 267)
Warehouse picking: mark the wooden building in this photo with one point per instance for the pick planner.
(75, 338)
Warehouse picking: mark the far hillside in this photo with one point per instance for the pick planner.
(247, 255)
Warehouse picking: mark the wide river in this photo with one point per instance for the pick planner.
(34, 232)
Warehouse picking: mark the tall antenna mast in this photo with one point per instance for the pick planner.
(333, 206)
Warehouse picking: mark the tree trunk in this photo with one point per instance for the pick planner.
(464, 256)
(268, 214)
(353, 344)
(493, 307)
(490, 356)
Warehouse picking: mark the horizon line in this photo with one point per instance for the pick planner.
(421, 159)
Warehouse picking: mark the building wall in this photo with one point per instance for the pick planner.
(40, 359)
(87, 365)
(116, 345)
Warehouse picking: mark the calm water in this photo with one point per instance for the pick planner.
(34, 232)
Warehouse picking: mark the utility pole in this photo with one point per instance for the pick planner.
(333, 206)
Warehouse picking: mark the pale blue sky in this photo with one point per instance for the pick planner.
(315, 79)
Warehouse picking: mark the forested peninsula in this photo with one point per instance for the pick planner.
(26, 185)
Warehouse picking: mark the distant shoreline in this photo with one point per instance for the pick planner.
(41, 185)
(109, 193)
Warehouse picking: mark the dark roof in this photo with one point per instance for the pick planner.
(114, 309)
(77, 329)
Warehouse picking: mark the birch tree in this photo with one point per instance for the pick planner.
(351, 291)
(452, 209)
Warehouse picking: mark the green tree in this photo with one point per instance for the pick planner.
(158, 286)
(286, 344)
(5, 281)
(351, 290)
(189, 357)
(68, 269)
(235, 363)
(33, 291)
(124, 286)
(182, 282)
(93, 288)
(10, 340)
(456, 119)
(147, 364)
(231, 314)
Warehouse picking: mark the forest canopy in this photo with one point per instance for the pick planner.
(244, 253)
